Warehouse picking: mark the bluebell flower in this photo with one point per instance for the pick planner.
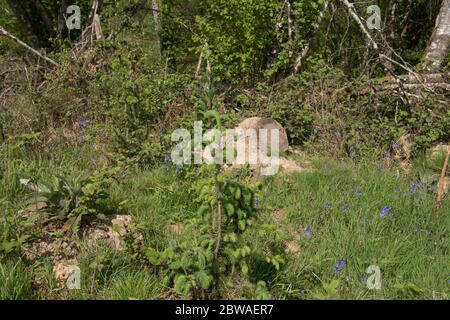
(166, 158)
(363, 278)
(385, 211)
(256, 201)
(301, 292)
(84, 123)
(340, 265)
(326, 205)
(415, 187)
(77, 154)
(395, 146)
(308, 232)
(433, 188)
(23, 147)
(178, 168)
(345, 208)
(358, 194)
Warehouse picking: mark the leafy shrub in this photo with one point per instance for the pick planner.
(75, 199)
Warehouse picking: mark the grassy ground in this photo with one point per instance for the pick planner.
(332, 223)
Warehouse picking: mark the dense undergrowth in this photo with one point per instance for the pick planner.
(95, 133)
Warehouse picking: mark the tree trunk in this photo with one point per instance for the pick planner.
(34, 20)
(156, 7)
(440, 40)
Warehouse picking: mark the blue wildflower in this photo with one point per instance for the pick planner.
(363, 278)
(301, 292)
(395, 146)
(396, 189)
(358, 194)
(366, 221)
(84, 123)
(23, 147)
(433, 188)
(340, 265)
(166, 158)
(256, 201)
(308, 232)
(178, 168)
(326, 205)
(77, 154)
(415, 187)
(345, 208)
(385, 211)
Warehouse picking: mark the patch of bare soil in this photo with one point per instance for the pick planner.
(61, 249)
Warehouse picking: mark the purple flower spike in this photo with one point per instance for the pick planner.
(385, 211)
(340, 265)
(308, 232)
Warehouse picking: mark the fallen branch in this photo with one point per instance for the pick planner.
(384, 59)
(411, 82)
(23, 44)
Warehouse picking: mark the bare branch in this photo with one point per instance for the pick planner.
(299, 61)
(23, 44)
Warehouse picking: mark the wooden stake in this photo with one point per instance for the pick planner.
(440, 191)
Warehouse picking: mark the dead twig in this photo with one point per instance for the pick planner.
(23, 44)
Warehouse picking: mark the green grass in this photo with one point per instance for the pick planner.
(410, 245)
(339, 202)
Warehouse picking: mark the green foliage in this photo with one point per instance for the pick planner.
(14, 231)
(75, 199)
(237, 55)
(15, 281)
(214, 242)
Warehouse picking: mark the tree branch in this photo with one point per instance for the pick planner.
(23, 44)
(299, 61)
